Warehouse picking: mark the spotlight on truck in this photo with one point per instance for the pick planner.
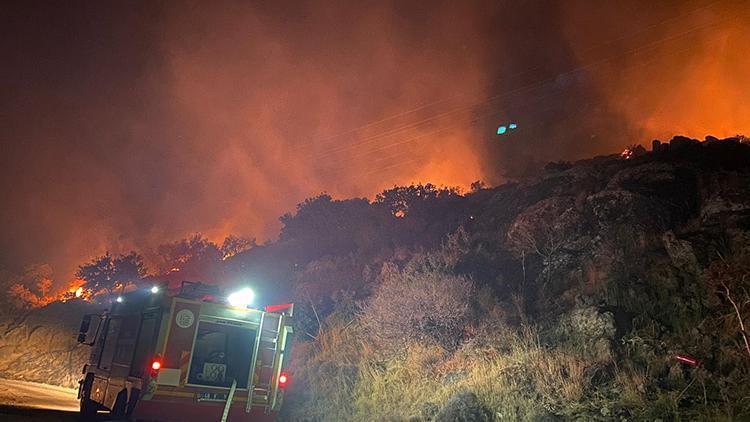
(241, 298)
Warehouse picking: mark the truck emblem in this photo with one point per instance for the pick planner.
(185, 318)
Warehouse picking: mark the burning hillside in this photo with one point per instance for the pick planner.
(609, 287)
(221, 130)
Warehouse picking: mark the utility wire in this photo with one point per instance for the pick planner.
(516, 91)
(539, 84)
(428, 105)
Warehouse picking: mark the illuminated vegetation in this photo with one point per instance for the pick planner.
(569, 295)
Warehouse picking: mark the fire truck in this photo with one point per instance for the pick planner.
(187, 356)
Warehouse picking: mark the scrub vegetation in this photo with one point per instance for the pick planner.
(614, 288)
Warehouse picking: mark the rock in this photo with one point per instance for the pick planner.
(680, 142)
(612, 207)
(711, 139)
(680, 252)
(725, 195)
(645, 177)
(40, 345)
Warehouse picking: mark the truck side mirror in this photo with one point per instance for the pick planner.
(83, 331)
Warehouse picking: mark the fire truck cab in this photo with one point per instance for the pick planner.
(185, 357)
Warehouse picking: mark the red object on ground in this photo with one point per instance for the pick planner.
(687, 359)
(276, 308)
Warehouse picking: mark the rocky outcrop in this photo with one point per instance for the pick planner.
(40, 345)
(612, 207)
(725, 193)
(681, 253)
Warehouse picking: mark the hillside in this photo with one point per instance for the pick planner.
(568, 295)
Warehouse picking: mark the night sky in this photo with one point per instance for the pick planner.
(128, 124)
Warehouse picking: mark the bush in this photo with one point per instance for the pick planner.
(464, 406)
(428, 306)
(326, 372)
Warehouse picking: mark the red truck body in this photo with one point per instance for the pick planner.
(157, 357)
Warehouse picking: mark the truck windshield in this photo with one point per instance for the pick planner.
(222, 353)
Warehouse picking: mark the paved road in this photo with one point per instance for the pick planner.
(28, 414)
(30, 401)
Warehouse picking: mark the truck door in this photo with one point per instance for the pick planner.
(116, 357)
(144, 346)
(110, 341)
(125, 346)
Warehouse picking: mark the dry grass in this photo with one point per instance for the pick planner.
(522, 380)
(341, 377)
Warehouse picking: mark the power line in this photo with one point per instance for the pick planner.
(415, 125)
(538, 84)
(430, 104)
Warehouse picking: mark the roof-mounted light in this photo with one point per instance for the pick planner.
(242, 298)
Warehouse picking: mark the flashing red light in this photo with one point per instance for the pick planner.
(155, 365)
(283, 379)
(687, 359)
(276, 308)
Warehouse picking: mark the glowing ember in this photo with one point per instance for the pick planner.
(626, 154)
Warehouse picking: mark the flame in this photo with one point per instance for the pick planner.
(75, 290)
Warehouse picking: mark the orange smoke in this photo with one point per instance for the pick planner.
(134, 126)
(685, 74)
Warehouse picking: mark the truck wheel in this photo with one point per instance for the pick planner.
(118, 410)
(88, 410)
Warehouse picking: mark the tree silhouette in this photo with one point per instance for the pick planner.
(109, 273)
(233, 245)
(195, 258)
(402, 200)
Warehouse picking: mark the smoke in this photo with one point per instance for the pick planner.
(682, 72)
(129, 125)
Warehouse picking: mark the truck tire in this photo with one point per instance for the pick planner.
(88, 410)
(119, 408)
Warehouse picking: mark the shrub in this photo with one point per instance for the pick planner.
(464, 406)
(428, 306)
(326, 372)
